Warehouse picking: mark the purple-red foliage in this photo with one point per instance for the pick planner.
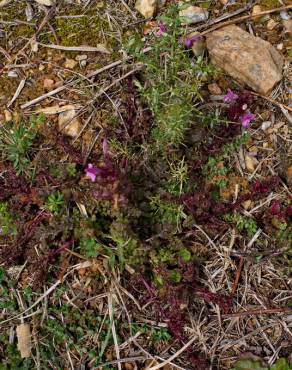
(222, 300)
(136, 121)
(208, 211)
(220, 136)
(197, 361)
(62, 142)
(111, 180)
(239, 106)
(11, 184)
(280, 212)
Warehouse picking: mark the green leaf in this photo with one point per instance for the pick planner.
(185, 255)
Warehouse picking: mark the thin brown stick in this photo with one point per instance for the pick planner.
(237, 276)
(245, 17)
(241, 262)
(271, 100)
(267, 311)
(69, 83)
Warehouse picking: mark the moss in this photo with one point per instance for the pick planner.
(269, 4)
(87, 29)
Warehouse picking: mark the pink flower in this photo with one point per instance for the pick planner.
(230, 97)
(91, 172)
(162, 29)
(246, 119)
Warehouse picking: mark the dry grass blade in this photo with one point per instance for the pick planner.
(99, 48)
(174, 356)
(17, 92)
(24, 340)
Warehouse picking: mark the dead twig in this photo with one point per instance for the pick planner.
(223, 17)
(70, 83)
(17, 92)
(245, 17)
(241, 262)
(268, 311)
(273, 101)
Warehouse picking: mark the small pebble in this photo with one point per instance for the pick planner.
(214, 89)
(70, 63)
(81, 57)
(12, 74)
(250, 163)
(265, 125)
(7, 115)
(271, 24)
(41, 67)
(48, 83)
(284, 15)
(280, 46)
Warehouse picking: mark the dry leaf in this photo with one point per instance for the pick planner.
(24, 340)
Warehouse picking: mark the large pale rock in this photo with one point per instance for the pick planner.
(248, 59)
(147, 8)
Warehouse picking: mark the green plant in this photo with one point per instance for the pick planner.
(173, 80)
(247, 364)
(71, 169)
(16, 142)
(160, 335)
(213, 168)
(90, 247)
(55, 202)
(243, 224)
(178, 180)
(7, 226)
(167, 212)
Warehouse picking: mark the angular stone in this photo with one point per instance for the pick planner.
(147, 8)
(193, 14)
(248, 59)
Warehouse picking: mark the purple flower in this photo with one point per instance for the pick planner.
(162, 29)
(91, 172)
(230, 97)
(189, 41)
(246, 119)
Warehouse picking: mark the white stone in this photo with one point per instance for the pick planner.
(265, 125)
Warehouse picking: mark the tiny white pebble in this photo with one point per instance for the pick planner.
(265, 125)
(284, 15)
(12, 74)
